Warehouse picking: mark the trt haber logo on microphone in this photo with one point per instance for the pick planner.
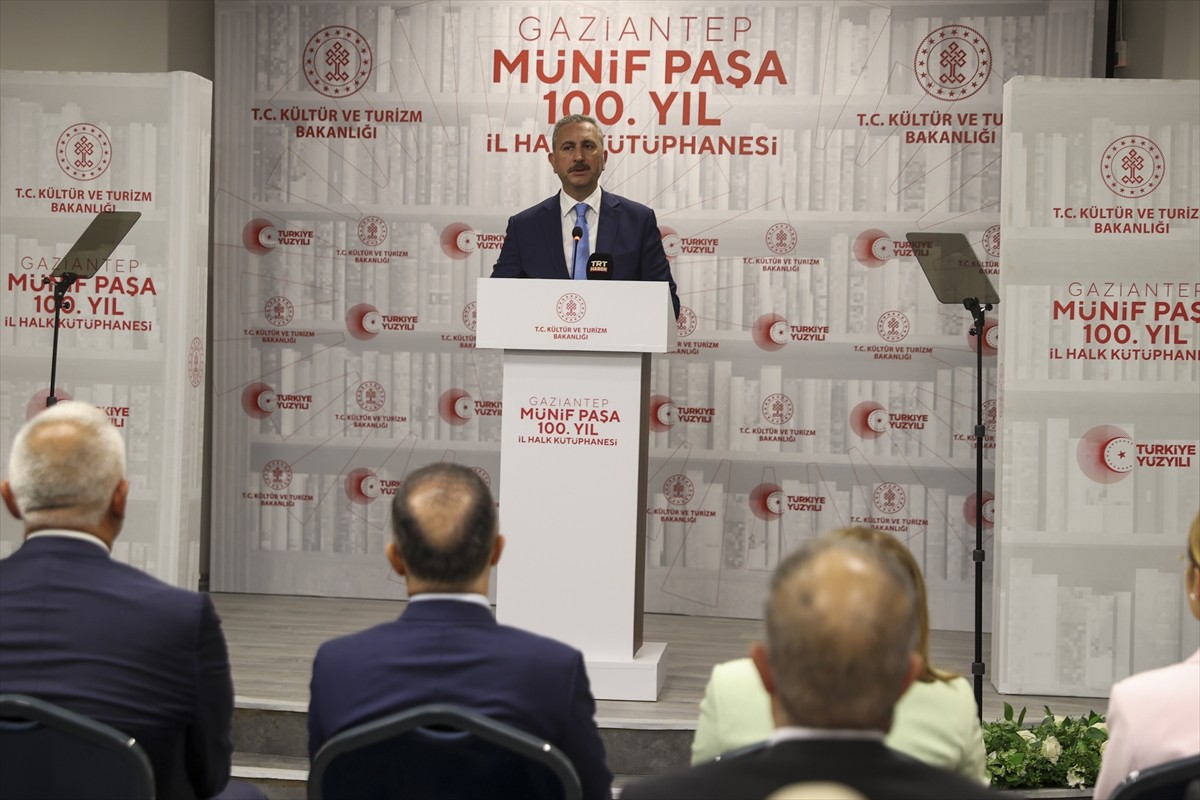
(599, 267)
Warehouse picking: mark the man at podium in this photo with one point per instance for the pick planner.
(584, 232)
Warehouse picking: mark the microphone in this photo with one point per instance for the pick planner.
(576, 235)
(599, 267)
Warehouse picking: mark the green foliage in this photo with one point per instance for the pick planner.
(1057, 752)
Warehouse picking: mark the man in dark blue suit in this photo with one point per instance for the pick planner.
(99, 637)
(539, 241)
(447, 646)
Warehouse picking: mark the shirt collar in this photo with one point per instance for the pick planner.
(462, 597)
(567, 203)
(790, 732)
(66, 534)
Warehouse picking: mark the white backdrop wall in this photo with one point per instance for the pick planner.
(370, 154)
(132, 341)
(1100, 355)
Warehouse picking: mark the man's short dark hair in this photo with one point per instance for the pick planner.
(449, 539)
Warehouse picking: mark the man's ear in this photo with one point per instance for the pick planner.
(120, 497)
(10, 501)
(916, 663)
(497, 549)
(762, 662)
(396, 559)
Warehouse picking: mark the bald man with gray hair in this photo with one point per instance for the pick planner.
(842, 647)
(98, 637)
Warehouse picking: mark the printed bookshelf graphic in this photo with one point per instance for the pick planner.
(131, 336)
(787, 150)
(1100, 349)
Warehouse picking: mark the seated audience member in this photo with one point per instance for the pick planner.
(936, 720)
(99, 637)
(1154, 716)
(842, 647)
(447, 646)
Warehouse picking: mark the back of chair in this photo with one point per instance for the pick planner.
(48, 752)
(440, 751)
(1169, 781)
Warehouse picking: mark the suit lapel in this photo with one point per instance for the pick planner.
(610, 223)
(551, 225)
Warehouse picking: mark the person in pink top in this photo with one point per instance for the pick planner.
(1154, 716)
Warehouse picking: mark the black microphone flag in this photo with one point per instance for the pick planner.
(599, 267)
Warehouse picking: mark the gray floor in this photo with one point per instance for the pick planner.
(272, 640)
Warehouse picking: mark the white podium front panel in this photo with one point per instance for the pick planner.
(569, 508)
(572, 467)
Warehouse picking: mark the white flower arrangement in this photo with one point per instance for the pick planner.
(1058, 752)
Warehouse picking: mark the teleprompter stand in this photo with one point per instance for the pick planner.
(957, 278)
(82, 261)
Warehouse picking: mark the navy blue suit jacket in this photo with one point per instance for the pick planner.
(451, 651)
(103, 639)
(533, 243)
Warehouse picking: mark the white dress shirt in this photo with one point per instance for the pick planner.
(567, 204)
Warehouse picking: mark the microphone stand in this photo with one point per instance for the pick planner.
(60, 296)
(576, 235)
(82, 261)
(978, 555)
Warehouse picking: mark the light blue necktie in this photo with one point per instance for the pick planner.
(581, 247)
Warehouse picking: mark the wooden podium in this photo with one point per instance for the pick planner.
(573, 465)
